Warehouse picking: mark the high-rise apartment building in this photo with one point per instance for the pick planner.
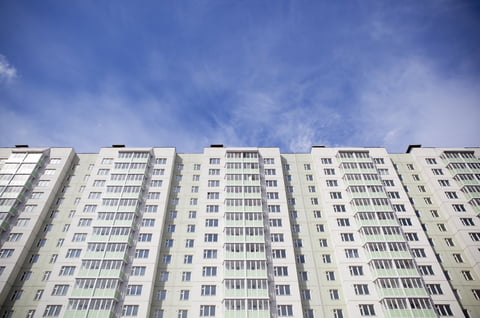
(239, 232)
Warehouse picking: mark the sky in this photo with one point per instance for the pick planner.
(289, 74)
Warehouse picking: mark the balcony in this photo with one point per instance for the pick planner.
(402, 313)
(234, 273)
(246, 314)
(235, 293)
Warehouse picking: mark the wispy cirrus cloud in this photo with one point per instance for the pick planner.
(289, 75)
(7, 71)
(411, 101)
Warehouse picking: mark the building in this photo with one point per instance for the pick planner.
(239, 232)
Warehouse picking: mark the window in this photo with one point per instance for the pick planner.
(26, 276)
(17, 294)
(161, 295)
(281, 253)
(164, 276)
(141, 253)
(356, 270)
(130, 310)
(160, 161)
(347, 237)
(73, 253)
(52, 311)
(311, 189)
(444, 183)
(339, 208)
(458, 207)
(189, 243)
(351, 253)
(38, 294)
(451, 195)
(171, 228)
(411, 236)
(209, 237)
(329, 172)
(186, 276)
(285, 310)
(271, 183)
(278, 237)
(134, 290)
(367, 310)
(337, 313)
(191, 228)
(211, 222)
(405, 221)
(53, 258)
(334, 295)
(207, 311)
(475, 236)
(418, 252)
(332, 183)
(148, 222)
(441, 227)
(209, 290)
(303, 276)
(212, 208)
(272, 195)
(467, 275)
(476, 293)
(138, 271)
(182, 313)
(187, 259)
(361, 289)
(208, 271)
(184, 294)
(335, 195)
(33, 258)
(449, 242)
(209, 253)
(326, 258)
(467, 221)
(434, 289)
(305, 294)
(330, 275)
(192, 214)
(6, 253)
(426, 270)
(282, 290)
(443, 310)
(167, 259)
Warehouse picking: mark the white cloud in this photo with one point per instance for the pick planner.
(413, 103)
(7, 71)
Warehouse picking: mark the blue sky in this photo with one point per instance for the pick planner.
(287, 74)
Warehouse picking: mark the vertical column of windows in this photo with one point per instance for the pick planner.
(245, 266)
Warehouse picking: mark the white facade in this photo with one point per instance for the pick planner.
(239, 232)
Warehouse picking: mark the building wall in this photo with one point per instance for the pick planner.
(239, 232)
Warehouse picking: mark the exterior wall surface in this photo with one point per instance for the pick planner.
(239, 232)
